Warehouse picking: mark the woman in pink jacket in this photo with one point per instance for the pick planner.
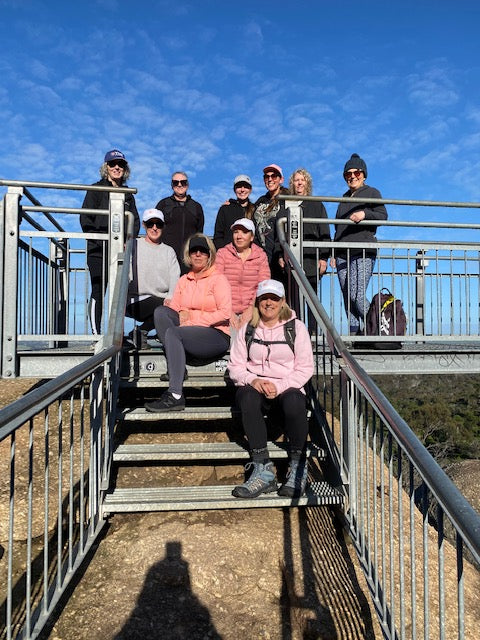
(195, 321)
(270, 371)
(245, 264)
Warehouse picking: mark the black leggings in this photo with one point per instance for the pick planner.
(292, 404)
(98, 269)
(143, 310)
(201, 342)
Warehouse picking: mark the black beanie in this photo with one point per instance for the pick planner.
(356, 162)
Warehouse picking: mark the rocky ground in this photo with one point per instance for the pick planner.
(230, 574)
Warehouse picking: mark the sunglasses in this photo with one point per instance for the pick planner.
(154, 223)
(352, 174)
(266, 176)
(117, 163)
(179, 183)
(199, 250)
(243, 185)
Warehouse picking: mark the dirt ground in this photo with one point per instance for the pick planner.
(228, 574)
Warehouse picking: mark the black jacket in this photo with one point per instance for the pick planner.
(182, 219)
(359, 233)
(226, 216)
(91, 223)
(315, 232)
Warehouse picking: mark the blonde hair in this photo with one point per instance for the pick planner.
(284, 315)
(186, 253)
(308, 180)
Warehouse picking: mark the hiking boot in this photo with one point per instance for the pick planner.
(261, 480)
(165, 377)
(166, 403)
(296, 482)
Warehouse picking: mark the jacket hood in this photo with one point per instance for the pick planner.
(204, 274)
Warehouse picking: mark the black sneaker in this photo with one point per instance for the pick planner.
(166, 403)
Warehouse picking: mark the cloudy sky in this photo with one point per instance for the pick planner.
(221, 88)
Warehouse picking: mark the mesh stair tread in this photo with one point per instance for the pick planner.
(199, 451)
(189, 413)
(318, 493)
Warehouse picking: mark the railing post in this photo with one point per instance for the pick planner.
(295, 241)
(116, 239)
(10, 276)
(420, 263)
(2, 283)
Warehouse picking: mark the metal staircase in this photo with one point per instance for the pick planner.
(208, 435)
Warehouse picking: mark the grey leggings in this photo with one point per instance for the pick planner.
(201, 342)
(354, 276)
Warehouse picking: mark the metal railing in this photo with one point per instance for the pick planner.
(55, 447)
(438, 281)
(416, 536)
(44, 275)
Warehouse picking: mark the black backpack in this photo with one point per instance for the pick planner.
(288, 330)
(386, 317)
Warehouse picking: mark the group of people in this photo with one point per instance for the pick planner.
(205, 297)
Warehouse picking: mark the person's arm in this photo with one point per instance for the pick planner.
(87, 220)
(175, 302)
(303, 361)
(200, 218)
(219, 231)
(173, 273)
(238, 362)
(223, 303)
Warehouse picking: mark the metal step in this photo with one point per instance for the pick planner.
(189, 413)
(200, 451)
(210, 497)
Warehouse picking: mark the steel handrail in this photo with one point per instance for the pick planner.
(455, 505)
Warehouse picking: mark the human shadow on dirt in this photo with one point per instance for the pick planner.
(166, 607)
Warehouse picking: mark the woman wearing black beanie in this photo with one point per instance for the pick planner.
(355, 264)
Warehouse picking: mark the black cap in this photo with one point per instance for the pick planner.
(356, 162)
(198, 242)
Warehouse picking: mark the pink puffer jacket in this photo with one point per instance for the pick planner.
(243, 276)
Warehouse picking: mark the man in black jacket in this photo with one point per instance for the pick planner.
(115, 172)
(183, 216)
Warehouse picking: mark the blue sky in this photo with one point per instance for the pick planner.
(221, 88)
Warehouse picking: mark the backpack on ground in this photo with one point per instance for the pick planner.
(386, 317)
(288, 331)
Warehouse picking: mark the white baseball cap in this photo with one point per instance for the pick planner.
(271, 286)
(242, 178)
(150, 214)
(245, 223)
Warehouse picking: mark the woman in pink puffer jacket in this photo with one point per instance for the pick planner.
(245, 265)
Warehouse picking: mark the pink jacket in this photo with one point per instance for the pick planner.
(275, 362)
(243, 276)
(207, 298)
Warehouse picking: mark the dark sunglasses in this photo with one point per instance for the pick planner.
(179, 183)
(117, 163)
(199, 250)
(245, 185)
(352, 174)
(271, 175)
(154, 223)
